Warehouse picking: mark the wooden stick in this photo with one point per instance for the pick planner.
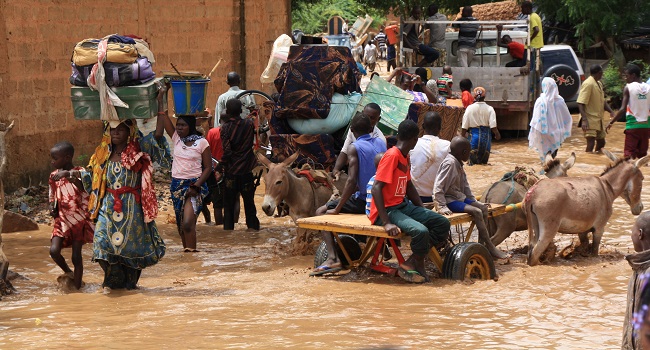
(215, 67)
(177, 72)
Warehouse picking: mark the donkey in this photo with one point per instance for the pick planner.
(578, 205)
(509, 192)
(300, 195)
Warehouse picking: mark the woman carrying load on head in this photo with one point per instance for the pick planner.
(480, 121)
(551, 123)
(191, 168)
(123, 203)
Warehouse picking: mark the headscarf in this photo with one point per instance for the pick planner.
(479, 92)
(132, 158)
(193, 134)
(551, 122)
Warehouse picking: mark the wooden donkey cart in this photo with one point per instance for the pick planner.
(465, 260)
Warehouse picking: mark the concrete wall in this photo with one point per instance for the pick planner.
(36, 42)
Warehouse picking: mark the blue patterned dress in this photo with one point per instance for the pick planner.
(124, 243)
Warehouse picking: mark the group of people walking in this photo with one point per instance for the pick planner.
(112, 204)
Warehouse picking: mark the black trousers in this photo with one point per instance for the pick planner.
(234, 185)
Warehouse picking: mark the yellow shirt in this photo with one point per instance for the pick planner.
(593, 98)
(538, 41)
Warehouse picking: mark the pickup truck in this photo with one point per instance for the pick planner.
(510, 90)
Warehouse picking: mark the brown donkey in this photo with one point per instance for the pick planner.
(578, 205)
(511, 192)
(282, 184)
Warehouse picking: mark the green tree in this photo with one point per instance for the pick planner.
(311, 16)
(597, 20)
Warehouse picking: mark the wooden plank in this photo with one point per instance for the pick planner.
(359, 224)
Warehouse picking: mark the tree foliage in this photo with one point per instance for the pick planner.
(613, 82)
(402, 7)
(311, 16)
(596, 20)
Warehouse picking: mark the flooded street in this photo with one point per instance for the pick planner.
(246, 290)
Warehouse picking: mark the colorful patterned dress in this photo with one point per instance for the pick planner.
(124, 203)
(73, 222)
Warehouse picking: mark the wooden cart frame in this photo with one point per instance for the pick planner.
(479, 266)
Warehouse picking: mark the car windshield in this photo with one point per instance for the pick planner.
(339, 40)
(563, 56)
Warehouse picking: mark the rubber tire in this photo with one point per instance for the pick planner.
(253, 92)
(350, 244)
(455, 264)
(562, 70)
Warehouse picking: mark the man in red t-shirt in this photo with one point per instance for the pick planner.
(391, 209)
(515, 49)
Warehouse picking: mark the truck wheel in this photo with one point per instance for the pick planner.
(566, 78)
(468, 260)
(350, 244)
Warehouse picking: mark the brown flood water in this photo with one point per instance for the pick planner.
(244, 290)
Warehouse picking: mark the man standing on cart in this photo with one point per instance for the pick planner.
(411, 32)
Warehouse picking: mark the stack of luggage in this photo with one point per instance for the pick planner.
(128, 61)
(128, 85)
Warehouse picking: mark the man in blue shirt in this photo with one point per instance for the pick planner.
(361, 168)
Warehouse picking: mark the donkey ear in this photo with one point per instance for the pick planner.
(641, 162)
(609, 155)
(262, 158)
(568, 164)
(287, 162)
(548, 159)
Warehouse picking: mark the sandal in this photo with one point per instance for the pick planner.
(411, 276)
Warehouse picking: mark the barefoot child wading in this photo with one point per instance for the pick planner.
(69, 208)
(452, 193)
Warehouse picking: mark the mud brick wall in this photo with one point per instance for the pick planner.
(36, 42)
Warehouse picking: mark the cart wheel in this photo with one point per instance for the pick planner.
(469, 260)
(350, 244)
(252, 99)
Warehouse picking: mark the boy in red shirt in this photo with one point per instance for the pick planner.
(391, 209)
(515, 49)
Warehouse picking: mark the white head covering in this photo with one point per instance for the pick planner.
(551, 123)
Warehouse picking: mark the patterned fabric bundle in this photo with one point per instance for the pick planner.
(319, 148)
(307, 82)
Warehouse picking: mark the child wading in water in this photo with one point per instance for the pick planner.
(69, 208)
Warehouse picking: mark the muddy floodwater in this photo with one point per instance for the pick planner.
(249, 290)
